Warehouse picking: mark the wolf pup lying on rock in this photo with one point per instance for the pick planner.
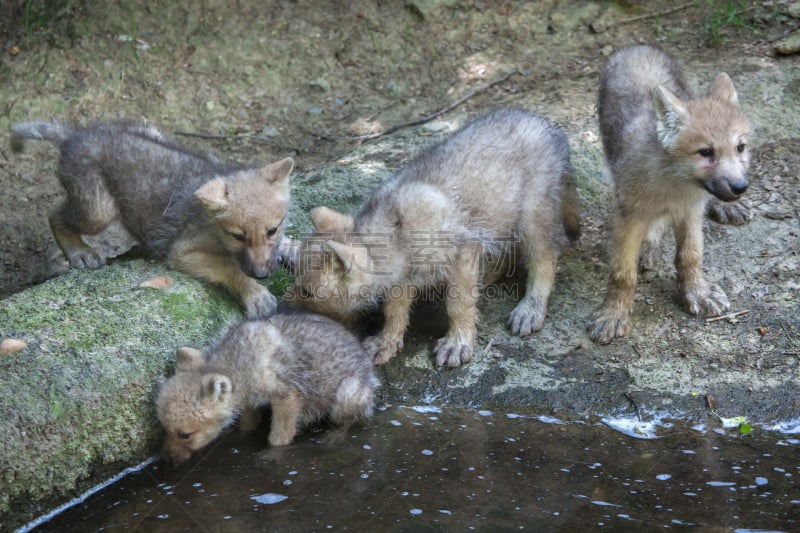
(503, 179)
(213, 220)
(667, 151)
(306, 367)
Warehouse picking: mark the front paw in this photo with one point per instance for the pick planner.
(608, 323)
(288, 250)
(527, 317)
(86, 258)
(381, 349)
(259, 303)
(453, 351)
(733, 213)
(707, 299)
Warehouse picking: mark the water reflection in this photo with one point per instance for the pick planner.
(421, 469)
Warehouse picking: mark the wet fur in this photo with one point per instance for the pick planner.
(306, 367)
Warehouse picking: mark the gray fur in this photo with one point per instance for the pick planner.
(307, 367)
(667, 150)
(218, 221)
(505, 177)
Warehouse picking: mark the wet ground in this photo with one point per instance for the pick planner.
(425, 469)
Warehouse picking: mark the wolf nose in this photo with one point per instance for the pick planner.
(738, 188)
(260, 271)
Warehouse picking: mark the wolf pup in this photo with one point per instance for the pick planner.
(213, 220)
(504, 177)
(306, 367)
(667, 151)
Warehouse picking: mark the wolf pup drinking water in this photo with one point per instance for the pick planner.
(667, 151)
(505, 177)
(213, 220)
(306, 367)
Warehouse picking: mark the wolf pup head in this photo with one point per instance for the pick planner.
(710, 134)
(194, 407)
(249, 207)
(332, 273)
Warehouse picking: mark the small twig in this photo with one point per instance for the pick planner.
(635, 405)
(601, 26)
(426, 118)
(727, 316)
(253, 136)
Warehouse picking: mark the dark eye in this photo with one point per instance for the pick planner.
(706, 152)
(183, 436)
(238, 236)
(741, 148)
(272, 231)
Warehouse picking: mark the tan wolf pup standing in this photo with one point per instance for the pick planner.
(213, 220)
(666, 150)
(503, 181)
(306, 367)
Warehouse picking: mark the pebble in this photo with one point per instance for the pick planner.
(789, 44)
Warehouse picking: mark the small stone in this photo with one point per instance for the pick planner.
(789, 44)
(9, 346)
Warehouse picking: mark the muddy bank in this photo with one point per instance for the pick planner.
(80, 396)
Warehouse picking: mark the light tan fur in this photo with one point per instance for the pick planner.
(667, 150)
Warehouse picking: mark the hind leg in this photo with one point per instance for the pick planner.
(538, 245)
(88, 210)
(528, 316)
(651, 245)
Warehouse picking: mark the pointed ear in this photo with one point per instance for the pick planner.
(350, 256)
(279, 171)
(671, 114)
(213, 195)
(327, 220)
(217, 388)
(188, 359)
(722, 88)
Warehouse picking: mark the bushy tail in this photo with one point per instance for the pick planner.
(39, 131)
(569, 209)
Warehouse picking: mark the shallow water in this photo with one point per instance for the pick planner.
(421, 469)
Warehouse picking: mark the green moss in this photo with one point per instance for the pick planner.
(82, 392)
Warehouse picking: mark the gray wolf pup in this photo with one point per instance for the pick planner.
(667, 151)
(504, 178)
(213, 220)
(306, 367)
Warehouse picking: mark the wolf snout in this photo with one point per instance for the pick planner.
(259, 271)
(176, 456)
(727, 190)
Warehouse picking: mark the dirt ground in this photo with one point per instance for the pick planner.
(285, 77)
(255, 81)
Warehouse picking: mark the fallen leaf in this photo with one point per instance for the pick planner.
(158, 282)
(711, 402)
(12, 346)
(762, 330)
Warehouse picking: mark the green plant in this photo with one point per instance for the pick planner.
(723, 14)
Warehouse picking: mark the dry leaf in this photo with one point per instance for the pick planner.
(158, 282)
(12, 346)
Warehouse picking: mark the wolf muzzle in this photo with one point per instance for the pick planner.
(727, 190)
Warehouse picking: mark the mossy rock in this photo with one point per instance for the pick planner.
(79, 399)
